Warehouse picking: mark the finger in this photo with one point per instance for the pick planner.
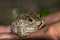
(7, 36)
(55, 30)
(5, 29)
(36, 34)
(55, 16)
(39, 35)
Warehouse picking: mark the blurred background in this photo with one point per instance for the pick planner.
(10, 9)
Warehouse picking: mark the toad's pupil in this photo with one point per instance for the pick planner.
(30, 20)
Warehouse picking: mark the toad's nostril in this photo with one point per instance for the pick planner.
(30, 20)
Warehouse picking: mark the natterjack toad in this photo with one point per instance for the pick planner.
(26, 23)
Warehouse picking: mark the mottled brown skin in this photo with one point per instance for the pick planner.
(26, 23)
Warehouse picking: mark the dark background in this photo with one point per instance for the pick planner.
(43, 6)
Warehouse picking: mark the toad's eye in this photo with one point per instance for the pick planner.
(30, 20)
(38, 17)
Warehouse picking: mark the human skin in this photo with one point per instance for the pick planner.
(50, 31)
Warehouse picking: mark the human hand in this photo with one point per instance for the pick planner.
(51, 31)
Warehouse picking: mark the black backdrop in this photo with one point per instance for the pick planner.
(6, 7)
